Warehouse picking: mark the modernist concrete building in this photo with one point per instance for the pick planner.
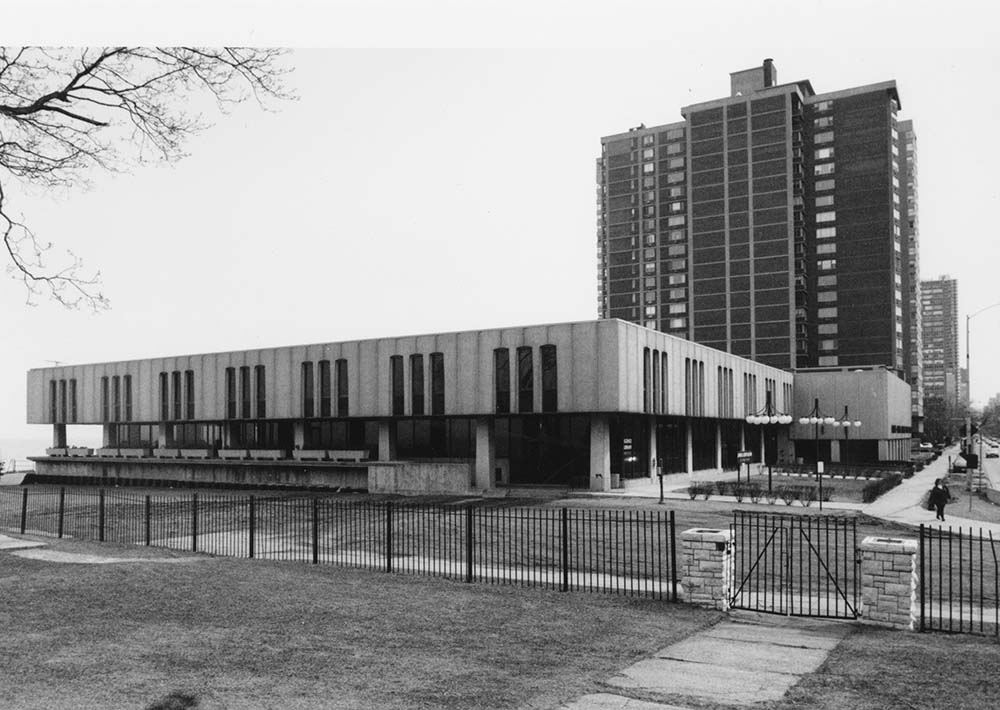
(770, 224)
(575, 404)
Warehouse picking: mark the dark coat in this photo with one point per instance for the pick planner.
(939, 496)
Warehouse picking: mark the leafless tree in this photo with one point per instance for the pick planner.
(65, 113)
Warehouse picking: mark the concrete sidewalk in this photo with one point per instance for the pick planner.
(747, 659)
(906, 503)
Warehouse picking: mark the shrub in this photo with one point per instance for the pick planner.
(754, 491)
(827, 494)
(873, 489)
(739, 491)
(771, 496)
(707, 490)
(693, 490)
(807, 495)
(789, 494)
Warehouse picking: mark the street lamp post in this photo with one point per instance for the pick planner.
(816, 418)
(846, 423)
(768, 415)
(968, 411)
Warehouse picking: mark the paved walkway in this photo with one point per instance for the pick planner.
(747, 659)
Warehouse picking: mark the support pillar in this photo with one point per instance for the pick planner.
(835, 451)
(718, 446)
(889, 582)
(688, 448)
(763, 446)
(162, 435)
(299, 433)
(485, 453)
(386, 441)
(59, 436)
(600, 453)
(654, 454)
(708, 567)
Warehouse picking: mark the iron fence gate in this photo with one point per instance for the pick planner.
(798, 565)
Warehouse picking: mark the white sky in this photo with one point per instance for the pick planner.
(428, 190)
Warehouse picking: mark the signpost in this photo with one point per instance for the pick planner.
(741, 457)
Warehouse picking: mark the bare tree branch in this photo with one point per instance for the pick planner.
(65, 113)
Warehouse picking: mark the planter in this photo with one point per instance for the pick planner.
(107, 453)
(267, 454)
(58, 451)
(166, 453)
(79, 451)
(348, 455)
(309, 454)
(133, 453)
(234, 454)
(196, 453)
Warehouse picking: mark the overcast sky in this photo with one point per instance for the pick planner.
(439, 189)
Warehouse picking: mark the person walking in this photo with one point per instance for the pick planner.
(939, 498)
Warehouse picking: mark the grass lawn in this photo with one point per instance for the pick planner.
(875, 668)
(245, 634)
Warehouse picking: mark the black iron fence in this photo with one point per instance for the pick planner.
(960, 579)
(619, 551)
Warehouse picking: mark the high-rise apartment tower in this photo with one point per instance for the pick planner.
(769, 224)
(942, 375)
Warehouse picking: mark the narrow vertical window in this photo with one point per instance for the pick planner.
(63, 400)
(164, 396)
(72, 400)
(663, 383)
(437, 383)
(688, 403)
(525, 380)
(324, 388)
(175, 385)
(396, 384)
(53, 402)
(260, 391)
(701, 388)
(342, 390)
(245, 392)
(189, 394)
(308, 404)
(231, 392)
(656, 381)
(417, 384)
(127, 383)
(647, 390)
(550, 379)
(116, 397)
(501, 379)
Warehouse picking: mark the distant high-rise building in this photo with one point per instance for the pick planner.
(910, 243)
(769, 224)
(939, 306)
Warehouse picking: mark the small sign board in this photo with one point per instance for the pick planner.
(819, 467)
(742, 456)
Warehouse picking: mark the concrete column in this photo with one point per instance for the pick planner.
(600, 453)
(889, 582)
(162, 435)
(386, 441)
(763, 449)
(688, 448)
(718, 445)
(653, 451)
(835, 451)
(708, 570)
(59, 436)
(743, 439)
(485, 453)
(299, 433)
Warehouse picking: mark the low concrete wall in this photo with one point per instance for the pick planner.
(204, 473)
(421, 477)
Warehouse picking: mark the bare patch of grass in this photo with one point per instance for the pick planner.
(236, 633)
